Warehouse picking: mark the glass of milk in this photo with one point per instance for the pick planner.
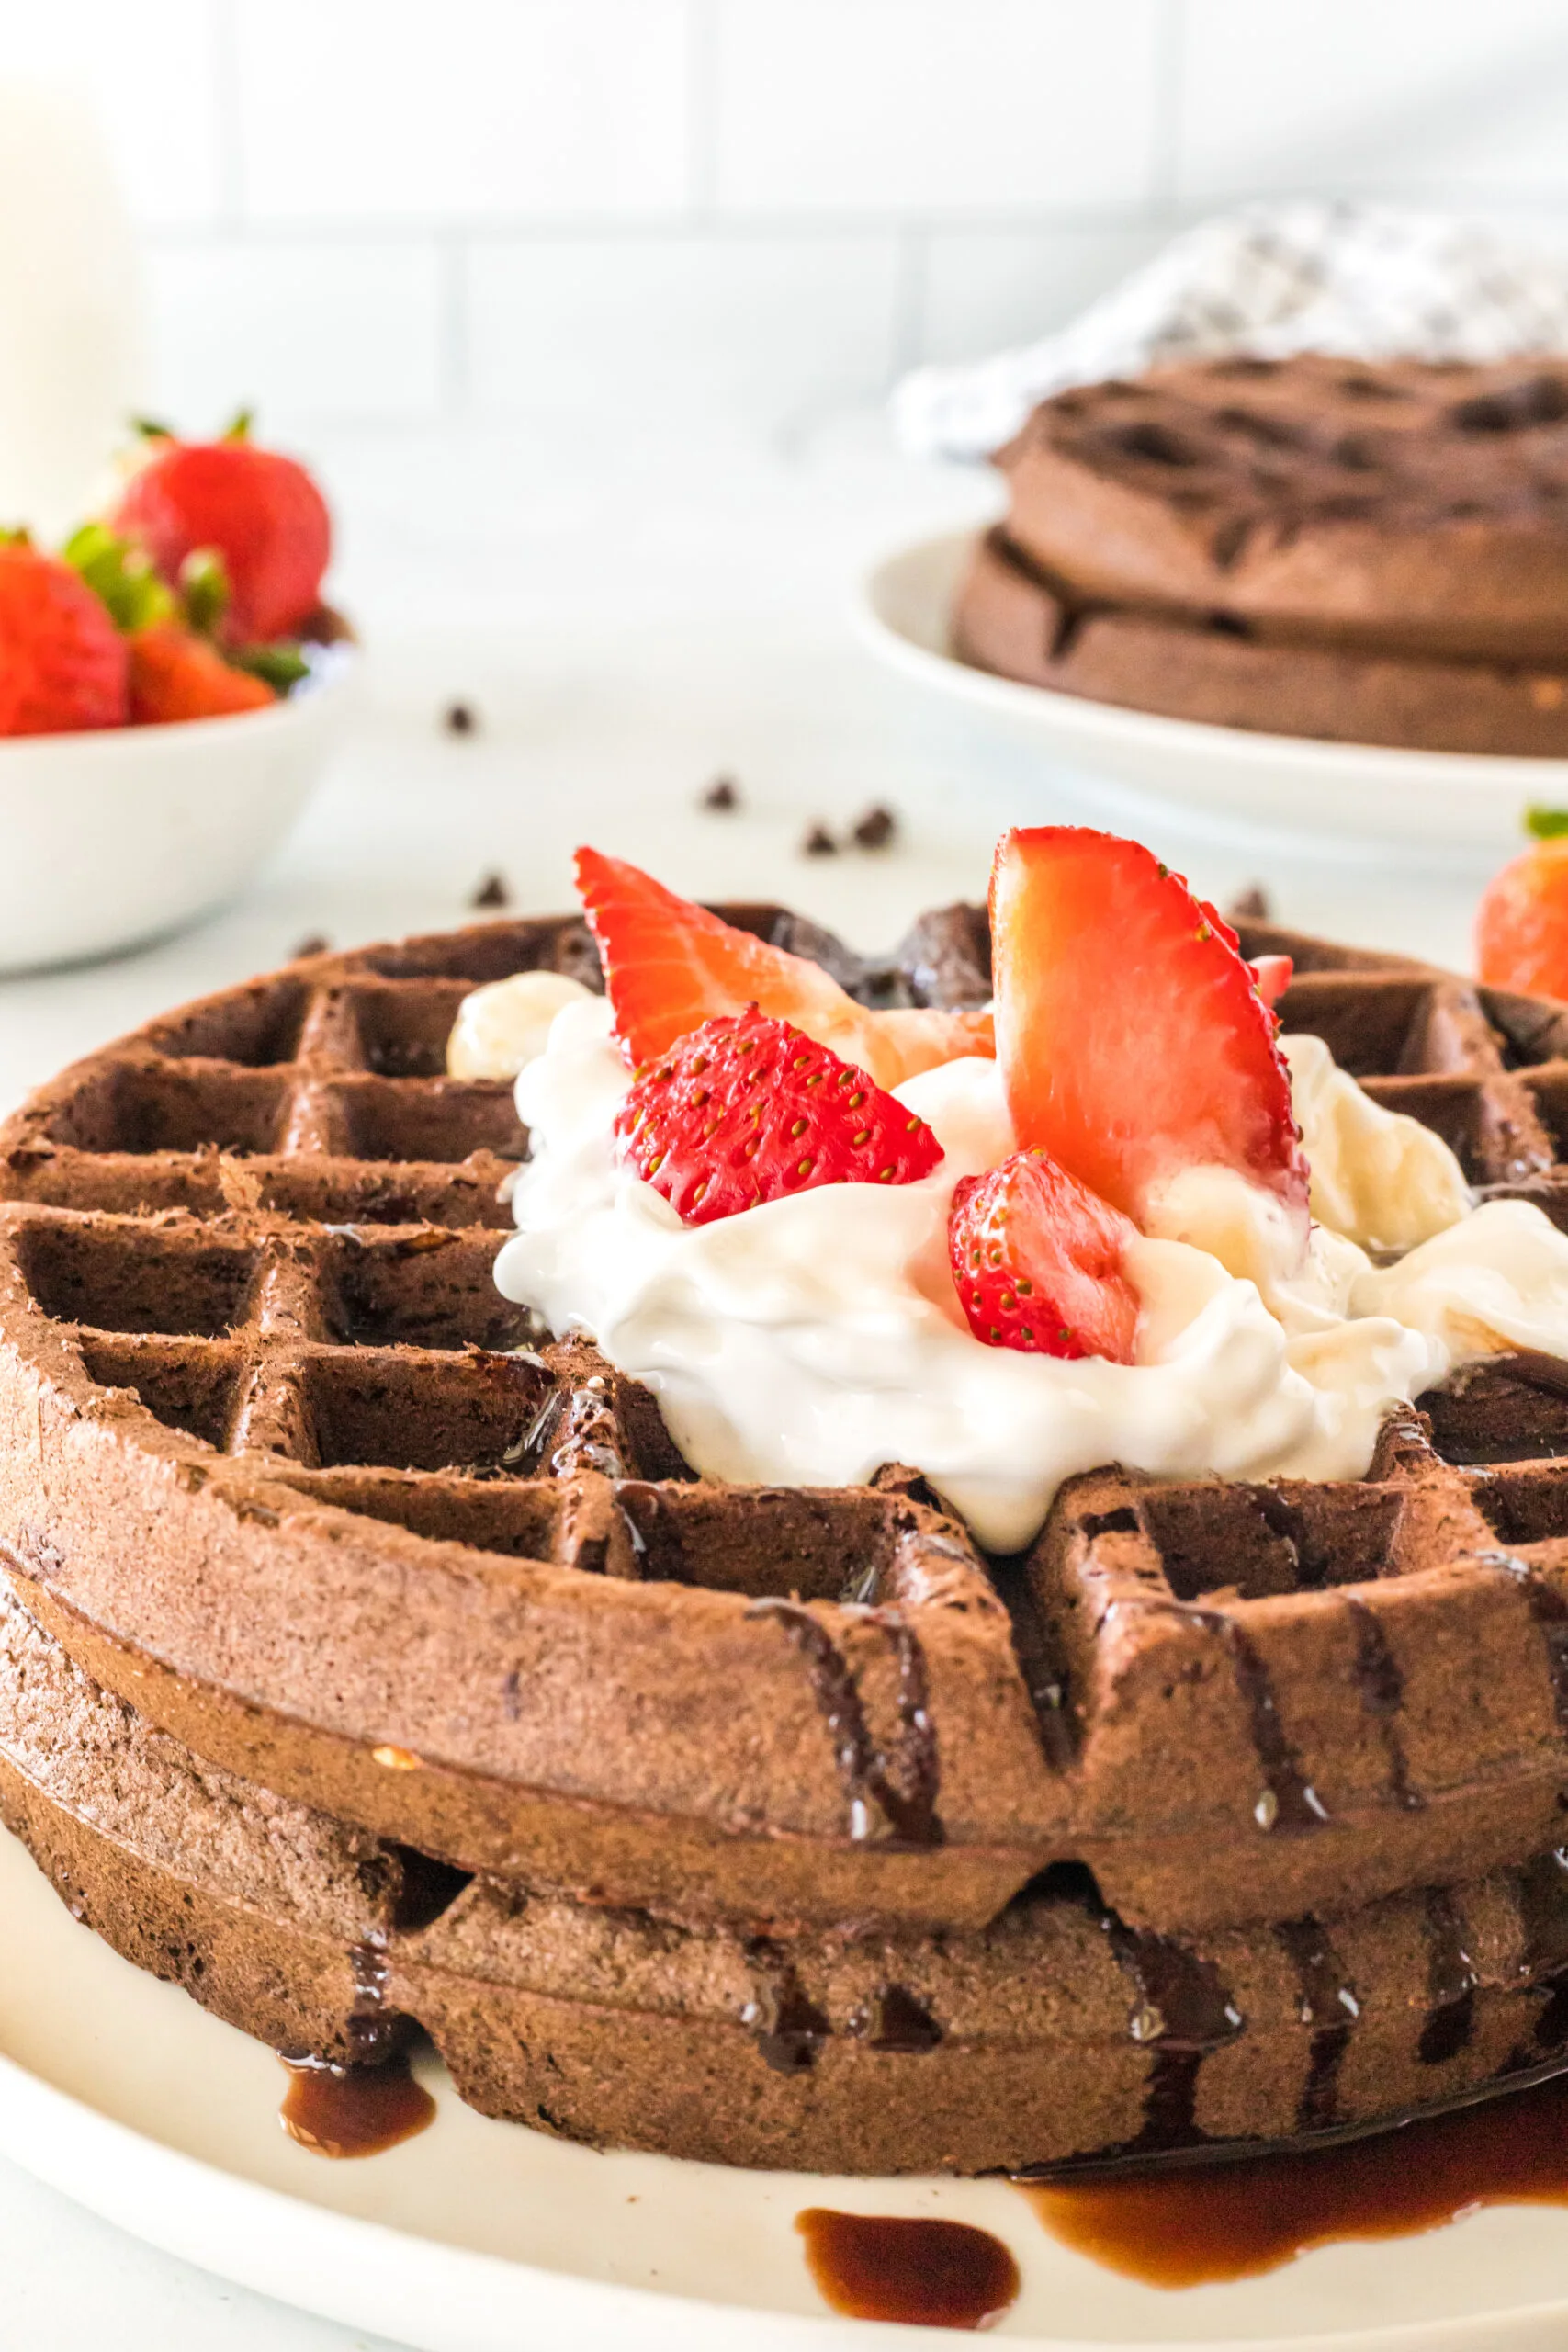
(70, 310)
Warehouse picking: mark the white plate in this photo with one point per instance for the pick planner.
(482, 2237)
(1450, 806)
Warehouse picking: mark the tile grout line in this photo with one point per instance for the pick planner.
(230, 114)
(702, 112)
(1170, 68)
(455, 340)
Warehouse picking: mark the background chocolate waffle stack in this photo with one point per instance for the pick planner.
(369, 1662)
(1318, 547)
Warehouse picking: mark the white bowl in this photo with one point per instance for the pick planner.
(1452, 807)
(114, 837)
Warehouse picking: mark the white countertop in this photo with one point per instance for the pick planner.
(626, 630)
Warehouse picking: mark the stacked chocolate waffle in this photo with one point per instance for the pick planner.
(1308, 547)
(368, 1661)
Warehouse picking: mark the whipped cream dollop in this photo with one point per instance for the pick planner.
(811, 1339)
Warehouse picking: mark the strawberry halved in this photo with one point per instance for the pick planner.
(1271, 977)
(669, 966)
(748, 1109)
(1037, 1262)
(1133, 1037)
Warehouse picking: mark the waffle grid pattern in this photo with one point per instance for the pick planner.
(271, 1220)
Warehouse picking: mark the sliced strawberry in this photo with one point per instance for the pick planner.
(748, 1108)
(1037, 1262)
(1133, 1038)
(1271, 977)
(669, 966)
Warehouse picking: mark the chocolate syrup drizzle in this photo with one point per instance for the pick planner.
(1452, 1983)
(1181, 2012)
(1289, 1801)
(789, 2029)
(1543, 1918)
(1327, 2002)
(907, 1804)
(654, 1530)
(899, 2022)
(1382, 1687)
(1550, 1612)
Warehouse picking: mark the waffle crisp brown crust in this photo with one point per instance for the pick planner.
(414, 1661)
(1009, 618)
(1376, 553)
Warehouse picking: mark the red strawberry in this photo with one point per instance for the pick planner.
(1522, 924)
(1037, 1262)
(1271, 975)
(748, 1108)
(1133, 1038)
(62, 662)
(174, 675)
(261, 511)
(669, 965)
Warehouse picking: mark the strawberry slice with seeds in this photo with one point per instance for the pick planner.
(748, 1109)
(669, 966)
(1272, 974)
(1133, 1037)
(1037, 1262)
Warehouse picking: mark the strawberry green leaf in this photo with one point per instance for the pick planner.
(278, 666)
(1546, 824)
(120, 573)
(204, 590)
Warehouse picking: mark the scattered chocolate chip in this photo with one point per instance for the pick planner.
(315, 943)
(1251, 905)
(461, 719)
(819, 843)
(722, 793)
(876, 829)
(493, 892)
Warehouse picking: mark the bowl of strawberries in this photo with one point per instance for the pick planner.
(171, 686)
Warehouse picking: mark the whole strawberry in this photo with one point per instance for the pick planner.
(63, 662)
(1521, 925)
(748, 1109)
(1037, 1262)
(259, 512)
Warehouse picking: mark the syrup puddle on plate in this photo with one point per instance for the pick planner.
(353, 2111)
(936, 2274)
(1194, 2223)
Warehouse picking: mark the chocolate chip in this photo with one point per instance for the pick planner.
(876, 829)
(723, 793)
(315, 943)
(461, 719)
(493, 892)
(819, 843)
(1251, 905)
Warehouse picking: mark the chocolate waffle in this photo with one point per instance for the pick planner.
(1404, 508)
(347, 1564)
(1013, 619)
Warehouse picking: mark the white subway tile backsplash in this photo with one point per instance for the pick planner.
(988, 288)
(396, 109)
(933, 105)
(149, 72)
(306, 330)
(763, 331)
(1438, 98)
